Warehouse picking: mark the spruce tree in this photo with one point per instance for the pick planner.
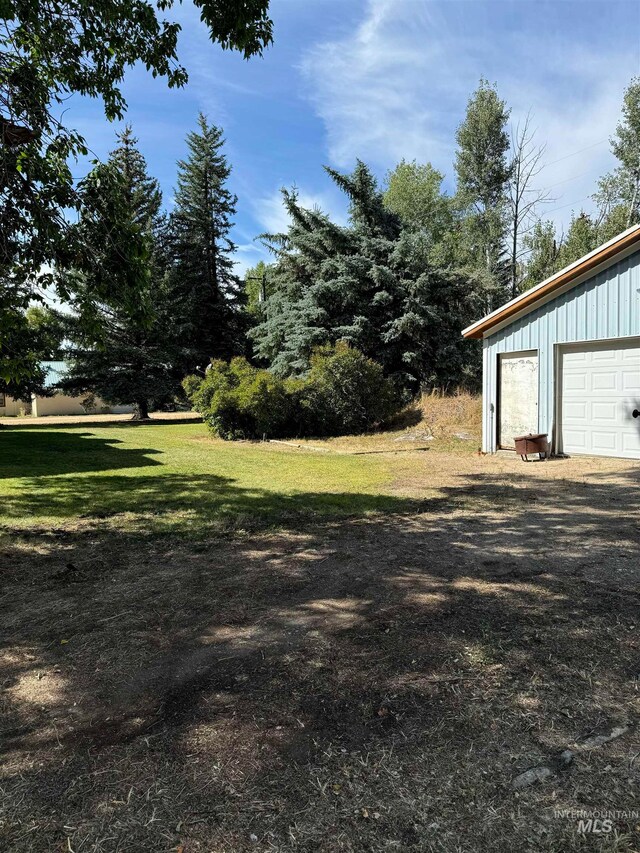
(145, 197)
(123, 346)
(543, 254)
(208, 293)
(301, 312)
(582, 237)
(371, 283)
(50, 51)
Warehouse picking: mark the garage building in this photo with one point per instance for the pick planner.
(564, 357)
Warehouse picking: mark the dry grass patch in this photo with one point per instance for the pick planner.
(434, 422)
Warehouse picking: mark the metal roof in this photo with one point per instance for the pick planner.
(568, 277)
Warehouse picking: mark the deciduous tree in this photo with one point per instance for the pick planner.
(414, 192)
(483, 170)
(524, 197)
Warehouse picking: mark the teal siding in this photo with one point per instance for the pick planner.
(604, 306)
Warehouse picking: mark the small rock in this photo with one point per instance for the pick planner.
(530, 777)
(565, 759)
(598, 740)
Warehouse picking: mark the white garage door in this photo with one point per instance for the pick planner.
(600, 392)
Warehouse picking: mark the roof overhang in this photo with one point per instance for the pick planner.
(609, 253)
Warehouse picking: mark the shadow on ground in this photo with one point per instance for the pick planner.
(53, 452)
(372, 684)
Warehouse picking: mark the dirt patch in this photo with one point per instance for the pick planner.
(377, 684)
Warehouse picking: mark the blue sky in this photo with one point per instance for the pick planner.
(382, 80)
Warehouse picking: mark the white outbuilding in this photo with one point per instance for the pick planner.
(55, 402)
(564, 357)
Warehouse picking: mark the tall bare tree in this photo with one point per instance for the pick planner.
(524, 195)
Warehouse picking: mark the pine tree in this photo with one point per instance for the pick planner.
(483, 172)
(122, 342)
(209, 294)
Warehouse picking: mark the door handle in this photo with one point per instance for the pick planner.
(635, 413)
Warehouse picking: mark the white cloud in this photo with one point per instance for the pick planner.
(270, 212)
(271, 216)
(246, 256)
(366, 89)
(398, 85)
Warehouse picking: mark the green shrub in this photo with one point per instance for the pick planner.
(237, 400)
(344, 392)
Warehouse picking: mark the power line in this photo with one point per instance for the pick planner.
(573, 153)
(571, 203)
(566, 180)
(573, 177)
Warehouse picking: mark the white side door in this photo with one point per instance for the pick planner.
(600, 391)
(518, 400)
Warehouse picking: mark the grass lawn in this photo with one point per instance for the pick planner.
(176, 478)
(230, 648)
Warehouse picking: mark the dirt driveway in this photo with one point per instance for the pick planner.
(377, 684)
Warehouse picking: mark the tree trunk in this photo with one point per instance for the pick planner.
(141, 410)
(514, 256)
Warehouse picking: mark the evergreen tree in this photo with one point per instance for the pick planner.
(543, 254)
(48, 52)
(582, 237)
(145, 197)
(305, 304)
(122, 336)
(209, 294)
(483, 172)
(370, 283)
